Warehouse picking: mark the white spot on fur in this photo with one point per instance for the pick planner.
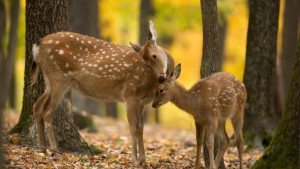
(106, 66)
(67, 46)
(71, 36)
(48, 50)
(67, 65)
(137, 77)
(100, 68)
(95, 47)
(50, 41)
(61, 52)
(57, 42)
(89, 42)
(51, 57)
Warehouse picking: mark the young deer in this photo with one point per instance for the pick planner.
(98, 70)
(210, 101)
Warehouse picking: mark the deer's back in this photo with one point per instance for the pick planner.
(97, 69)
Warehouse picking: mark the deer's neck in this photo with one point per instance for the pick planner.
(182, 98)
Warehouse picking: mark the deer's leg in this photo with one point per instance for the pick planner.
(38, 109)
(210, 133)
(223, 140)
(58, 91)
(140, 130)
(132, 116)
(237, 122)
(200, 132)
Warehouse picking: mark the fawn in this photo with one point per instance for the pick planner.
(210, 101)
(98, 70)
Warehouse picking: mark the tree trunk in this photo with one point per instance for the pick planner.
(283, 152)
(111, 110)
(211, 60)
(7, 61)
(259, 75)
(2, 97)
(84, 22)
(43, 18)
(222, 37)
(12, 90)
(146, 11)
(288, 47)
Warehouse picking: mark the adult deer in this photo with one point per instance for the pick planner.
(98, 70)
(210, 101)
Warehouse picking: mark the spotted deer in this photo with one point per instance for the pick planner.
(210, 101)
(98, 70)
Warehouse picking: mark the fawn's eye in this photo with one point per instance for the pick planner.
(161, 91)
(154, 56)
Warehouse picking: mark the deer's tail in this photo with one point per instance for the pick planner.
(35, 66)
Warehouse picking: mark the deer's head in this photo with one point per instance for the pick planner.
(163, 91)
(153, 55)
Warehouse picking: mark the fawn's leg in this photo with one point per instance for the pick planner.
(38, 109)
(140, 131)
(200, 132)
(223, 141)
(132, 116)
(210, 133)
(237, 122)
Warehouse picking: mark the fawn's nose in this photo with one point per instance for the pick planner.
(154, 105)
(161, 79)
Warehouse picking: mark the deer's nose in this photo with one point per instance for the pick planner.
(154, 105)
(161, 79)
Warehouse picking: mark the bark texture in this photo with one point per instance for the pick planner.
(259, 75)
(283, 152)
(43, 18)
(84, 22)
(288, 47)
(211, 60)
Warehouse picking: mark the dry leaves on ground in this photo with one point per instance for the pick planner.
(165, 148)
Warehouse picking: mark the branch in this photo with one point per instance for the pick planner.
(75, 129)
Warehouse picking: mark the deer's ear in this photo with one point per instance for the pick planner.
(135, 47)
(176, 72)
(152, 35)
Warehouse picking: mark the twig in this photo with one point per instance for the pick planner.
(81, 137)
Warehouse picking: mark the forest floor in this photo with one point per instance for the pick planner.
(165, 148)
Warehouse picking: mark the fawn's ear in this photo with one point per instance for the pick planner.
(135, 47)
(176, 72)
(152, 35)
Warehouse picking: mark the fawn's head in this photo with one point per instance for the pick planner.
(163, 91)
(153, 55)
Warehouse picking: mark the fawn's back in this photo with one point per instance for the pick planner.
(220, 93)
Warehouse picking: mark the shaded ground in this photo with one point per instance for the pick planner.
(165, 148)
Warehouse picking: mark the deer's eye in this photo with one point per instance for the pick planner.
(154, 56)
(161, 91)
